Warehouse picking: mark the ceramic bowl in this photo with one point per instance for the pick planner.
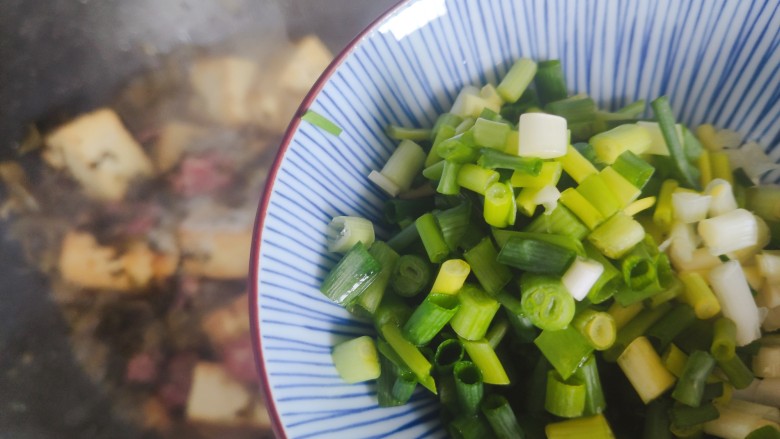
(718, 61)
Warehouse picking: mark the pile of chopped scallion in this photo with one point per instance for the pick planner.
(564, 271)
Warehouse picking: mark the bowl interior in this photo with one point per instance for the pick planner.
(717, 61)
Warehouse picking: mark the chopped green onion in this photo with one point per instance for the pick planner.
(498, 330)
(766, 363)
(581, 276)
(588, 374)
(469, 427)
(731, 288)
(459, 148)
(635, 328)
(634, 169)
(476, 178)
(346, 231)
(564, 398)
(403, 165)
(608, 282)
(663, 214)
(430, 317)
(662, 332)
(405, 238)
(594, 189)
(565, 349)
(644, 369)
(454, 224)
(476, 311)
(402, 133)
(699, 295)
(516, 80)
(559, 221)
(657, 420)
(596, 427)
(501, 417)
(452, 275)
(609, 145)
(764, 201)
(433, 240)
(490, 134)
(542, 135)
(444, 133)
(765, 432)
(665, 117)
(624, 314)
(617, 235)
(434, 171)
(499, 209)
(469, 103)
(536, 255)
(469, 386)
(546, 302)
(690, 386)
(690, 207)
(493, 159)
(724, 339)
(575, 109)
(483, 259)
(387, 258)
(395, 384)
(448, 182)
(411, 276)
(577, 166)
(684, 416)
(625, 192)
(409, 354)
(597, 327)
(729, 232)
(448, 353)
(356, 360)
(485, 358)
(549, 174)
(321, 122)
(582, 208)
(356, 270)
(550, 82)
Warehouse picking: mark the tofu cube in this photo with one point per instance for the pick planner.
(175, 139)
(222, 86)
(99, 152)
(305, 64)
(217, 398)
(228, 322)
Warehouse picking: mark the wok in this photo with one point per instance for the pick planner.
(62, 57)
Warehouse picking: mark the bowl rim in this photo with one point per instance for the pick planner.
(262, 209)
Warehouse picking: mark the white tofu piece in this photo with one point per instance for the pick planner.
(99, 153)
(217, 398)
(222, 86)
(215, 241)
(228, 322)
(175, 139)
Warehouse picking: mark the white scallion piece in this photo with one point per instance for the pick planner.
(542, 135)
(658, 144)
(470, 102)
(346, 231)
(581, 276)
(746, 256)
(753, 275)
(769, 264)
(690, 207)
(548, 197)
(734, 424)
(406, 162)
(384, 183)
(731, 288)
(771, 321)
(701, 261)
(722, 194)
(683, 242)
(729, 232)
(765, 411)
(765, 391)
(356, 360)
(769, 295)
(766, 363)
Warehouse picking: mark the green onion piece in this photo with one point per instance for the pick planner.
(714, 390)
(351, 275)
(356, 360)
(345, 231)
(550, 82)
(321, 122)
(501, 417)
(588, 374)
(387, 258)
(409, 354)
(596, 427)
(634, 328)
(476, 311)
(434, 171)
(738, 373)
(582, 208)
(430, 317)
(405, 238)
(550, 174)
(452, 274)
(516, 80)
(445, 120)
(565, 349)
(597, 327)
(634, 169)
(400, 169)
(398, 210)
(432, 238)
(483, 259)
(594, 189)
(644, 369)
(464, 127)
(608, 282)
(497, 332)
(724, 339)
(477, 178)
(459, 148)
(763, 201)
(469, 427)
(564, 241)
(577, 108)
(624, 314)
(499, 209)
(625, 192)
(442, 134)
(674, 359)
(523, 328)
(698, 294)
(490, 134)
(634, 109)
(395, 384)
(493, 159)
(765, 432)
(657, 420)
(617, 235)
(411, 275)
(448, 184)
(690, 386)
(697, 336)
(609, 145)
(536, 256)
(670, 326)
(448, 353)
(402, 133)
(564, 398)
(454, 223)
(683, 416)
(665, 117)
(576, 165)
(559, 221)
(546, 302)
(391, 309)
(485, 358)
(469, 386)
(527, 101)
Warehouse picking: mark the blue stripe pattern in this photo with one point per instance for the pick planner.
(718, 61)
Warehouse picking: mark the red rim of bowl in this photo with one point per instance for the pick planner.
(262, 210)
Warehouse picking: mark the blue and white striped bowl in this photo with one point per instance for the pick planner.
(718, 61)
